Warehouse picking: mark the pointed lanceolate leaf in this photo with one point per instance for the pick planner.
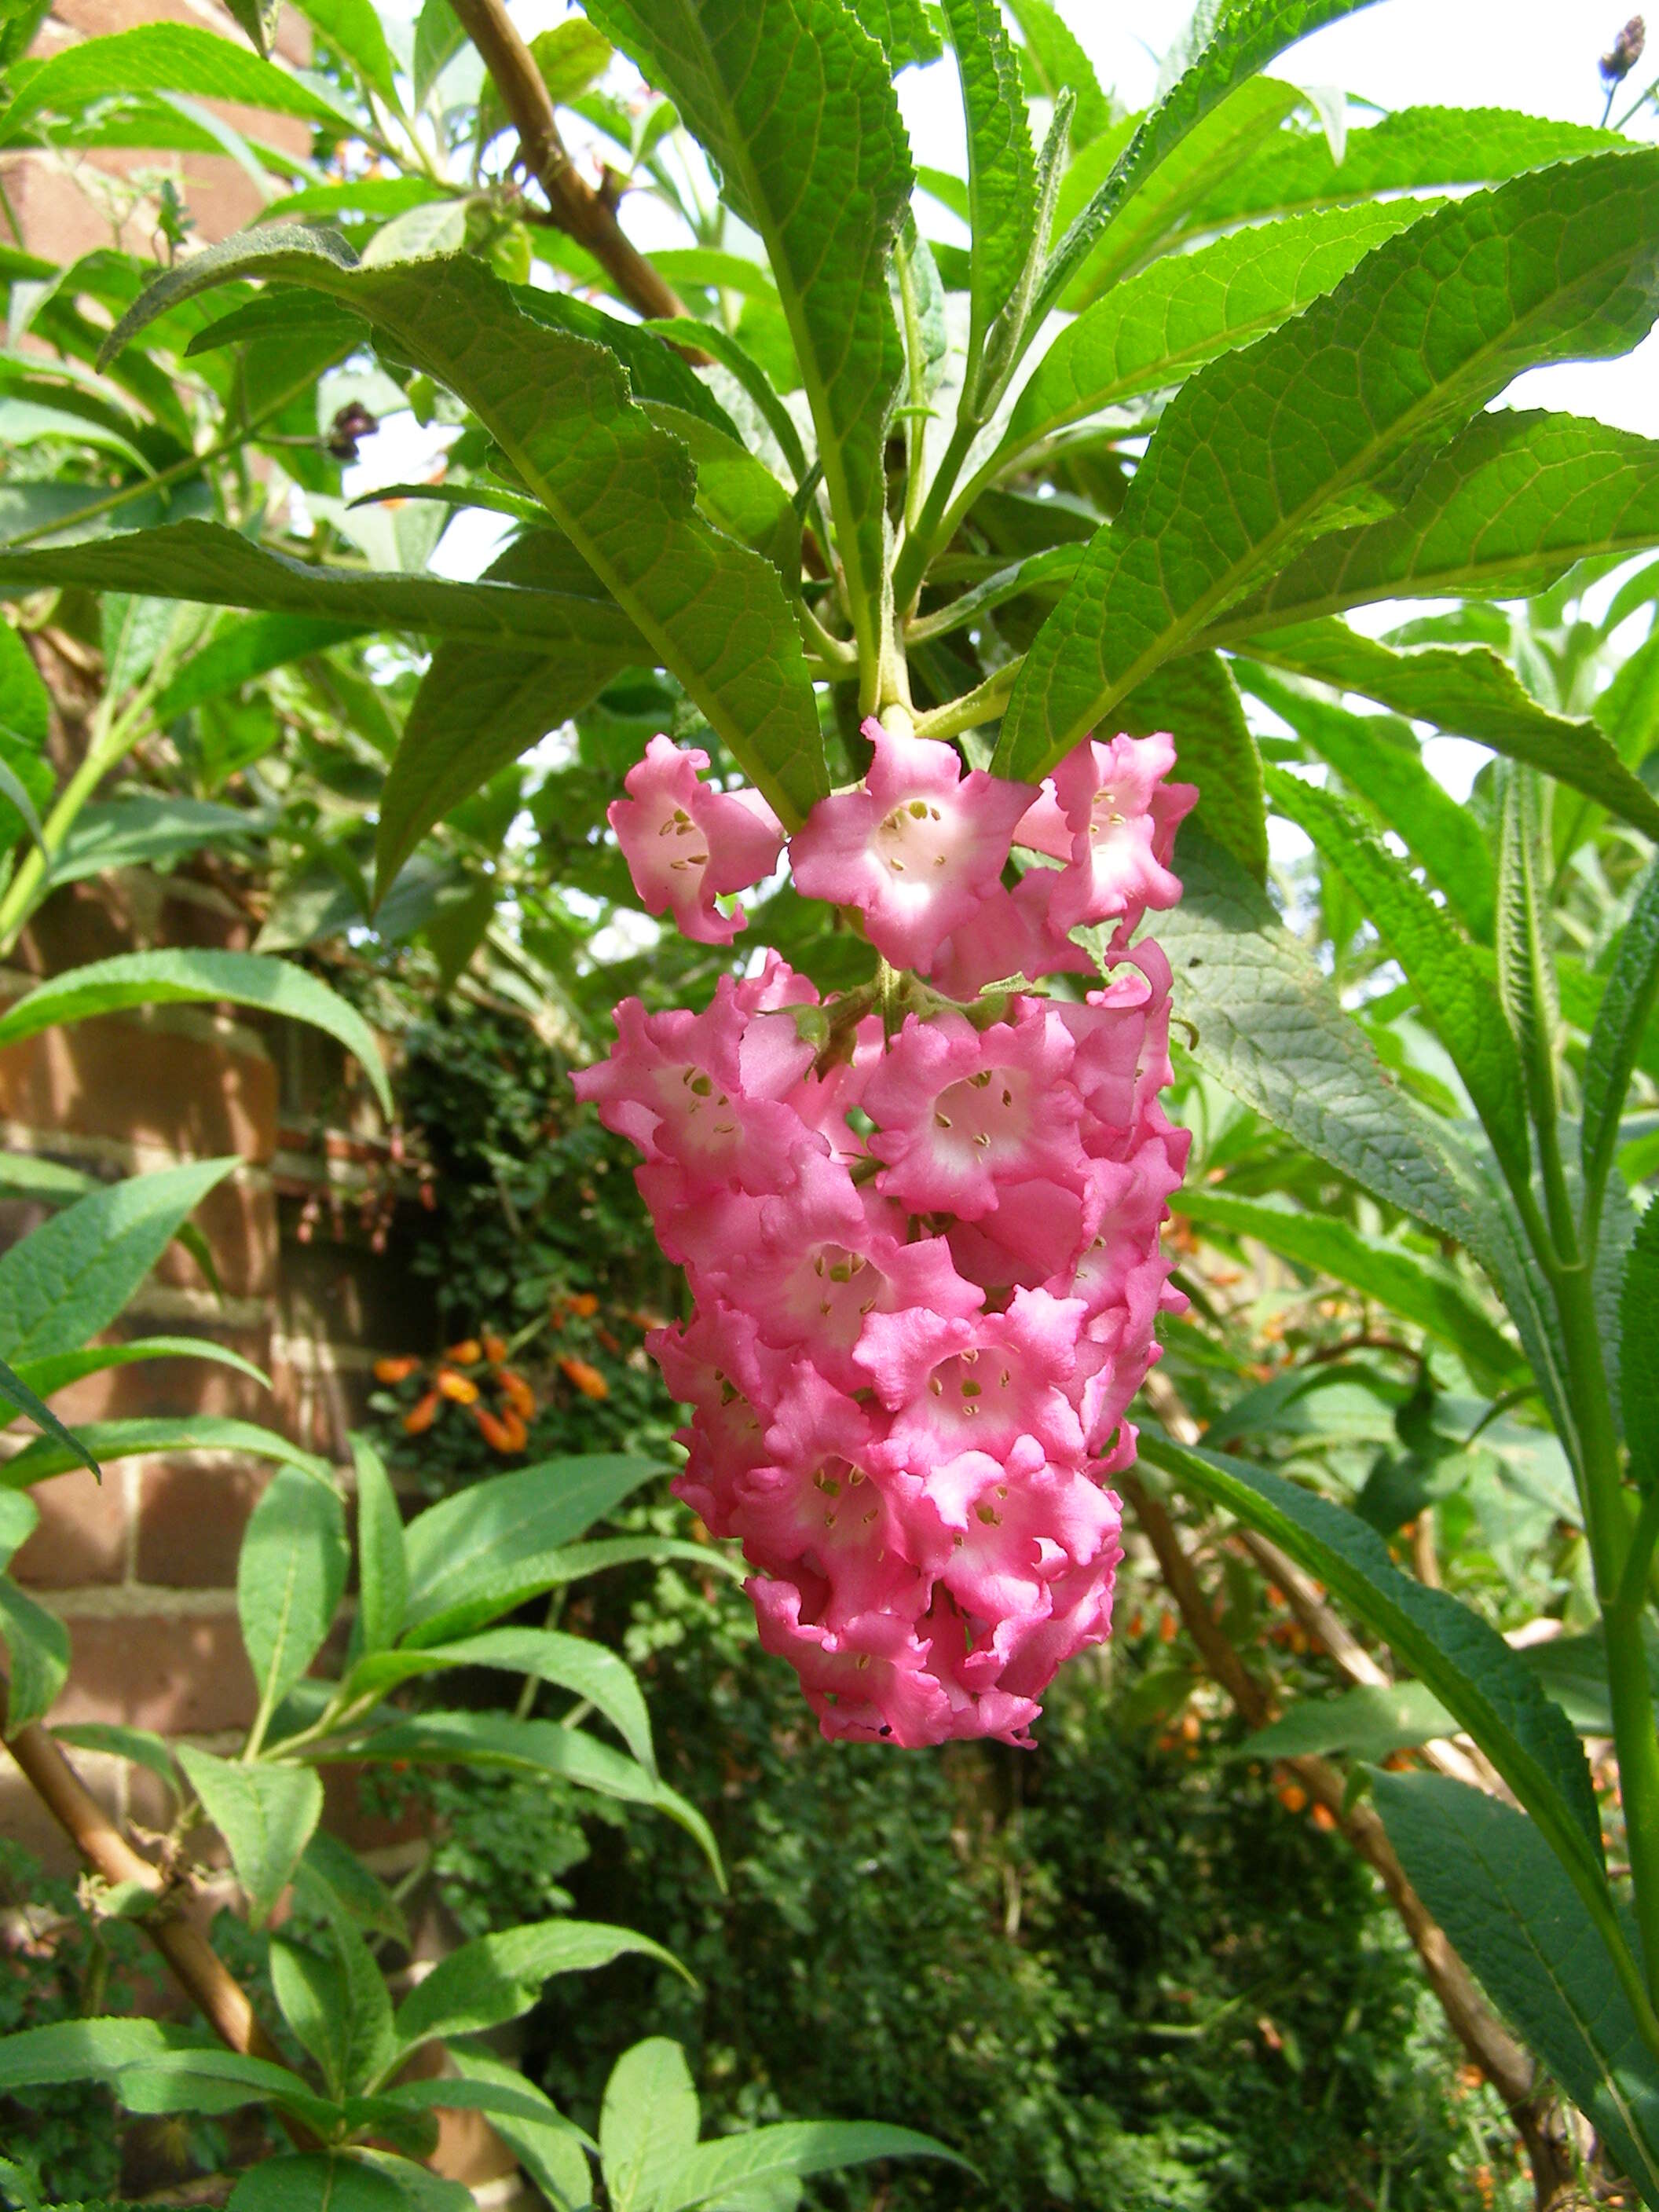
(1001, 169)
(38, 1652)
(723, 2172)
(1269, 1027)
(649, 2123)
(1466, 691)
(1503, 511)
(1490, 1879)
(1466, 1664)
(1430, 1295)
(161, 57)
(1244, 40)
(496, 1978)
(18, 1394)
(69, 1278)
(264, 1813)
(382, 1552)
(479, 706)
(196, 977)
(1380, 762)
(206, 562)
(1441, 967)
(290, 1577)
(465, 1541)
(1267, 447)
(1150, 332)
(621, 490)
(136, 1436)
(794, 103)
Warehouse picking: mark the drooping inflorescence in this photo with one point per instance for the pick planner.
(920, 1223)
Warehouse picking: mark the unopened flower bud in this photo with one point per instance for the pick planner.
(351, 422)
(1626, 52)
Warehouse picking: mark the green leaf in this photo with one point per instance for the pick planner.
(241, 650)
(1449, 981)
(1271, 1029)
(1245, 37)
(718, 2169)
(69, 1277)
(264, 1813)
(382, 1557)
(89, 2050)
(204, 560)
(38, 1645)
(140, 1436)
(318, 2181)
(568, 1662)
(1381, 765)
(438, 39)
(1367, 1723)
(1544, 269)
(1059, 63)
(1001, 169)
(1621, 1021)
(536, 1748)
(1418, 1290)
(161, 57)
(17, 1392)
(1487, 1687)
(742, 365)
(514, 1577)
(1467, 691)
(310, 1994)
(146, 828)
(657, 372)
(258, 19)
(1414, 149)
(1489, 1877)
(497, 1978)
(900, 28)
(60, 1369)
(1638, 1308)
(648, 2124)
(196, 977)
(1505, 510)
(736, 493)
(551, 2150)
(568, 58)
(1195, 698)
(369, 2048)
(140, 1746)
(457, 1548)
(16, 792)
(796, 107)
(353, 29)
(331, 1872)
(25, 703)
(290, 1577)
(621, 490)
(507, 2093)
(479, 706)
(1153, 330)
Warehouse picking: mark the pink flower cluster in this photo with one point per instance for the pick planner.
(924, 1253)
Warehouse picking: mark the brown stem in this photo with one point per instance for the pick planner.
(1502, 2061)
(196, 1965)
(587, 215)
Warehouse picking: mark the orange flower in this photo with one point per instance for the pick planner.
(517, 1435)
(395, 1370)
(587, 1379)
(494, 1349)
(607, 1340)
(457, 1386)
(1166, 1627)
(1323, 1817)
(1293, 1797)
(466, 1353)
(420, 1418)
(583, 1304)
(496, 1434)
(518, 1393)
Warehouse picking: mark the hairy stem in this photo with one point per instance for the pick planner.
(576, 207)
(193, 1962)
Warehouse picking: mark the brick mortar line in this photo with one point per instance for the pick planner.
(134, 1153)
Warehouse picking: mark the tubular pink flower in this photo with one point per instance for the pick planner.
(1110, 817)
(1012, 933)
(674, 1085)
(684, 841)
(866, 1680)
(917, 850)
(980, 1384)
(961, 1112)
